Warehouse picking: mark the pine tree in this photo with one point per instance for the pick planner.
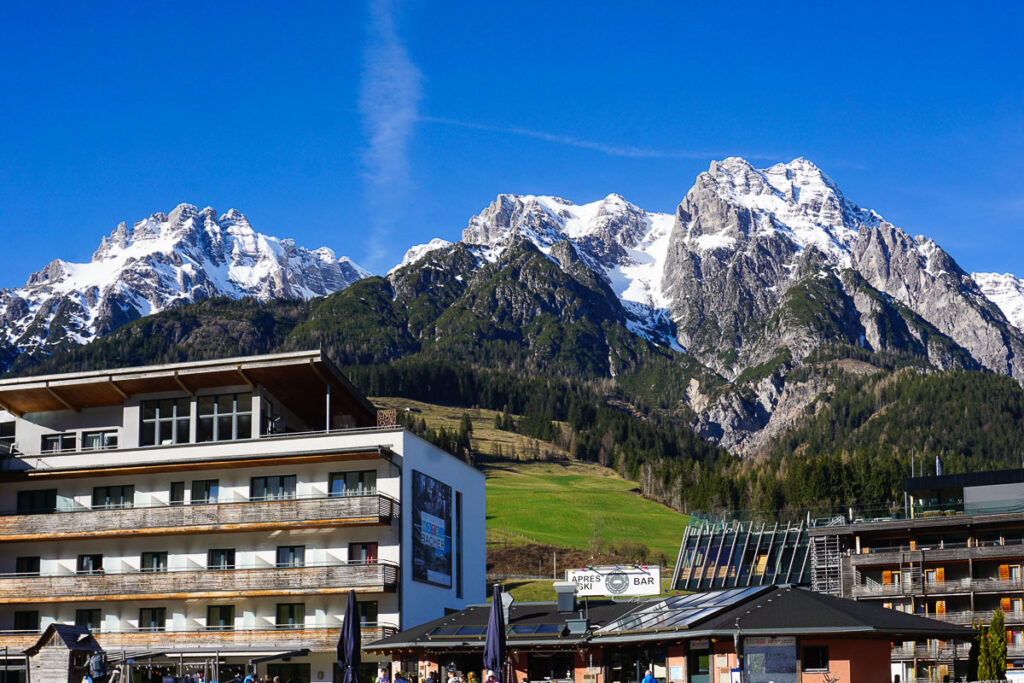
(984, 657)
(997, 645)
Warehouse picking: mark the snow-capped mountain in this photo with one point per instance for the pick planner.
(717, 277)
(160, 262)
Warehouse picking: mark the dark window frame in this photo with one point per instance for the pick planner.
(26, 615)
(80, 564)
(212, 417)
(108, 439)
(223, 625)
(58, 443)
(211, 487)
(176, 496)
(37, 501)
(161, 562)
(27, 565)
(85, 615)
(152, 619)
(179, 419)
(124, 493)
(273, 487)
(362, 488)
(227, 561)
(294, 612)
(297, 553)
(812, 656)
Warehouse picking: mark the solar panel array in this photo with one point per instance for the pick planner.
(682, 611)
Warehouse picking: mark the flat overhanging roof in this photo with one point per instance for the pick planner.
(298, 379)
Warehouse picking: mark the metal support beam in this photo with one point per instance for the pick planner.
(10, 410)
(796, 546)
(757, 549)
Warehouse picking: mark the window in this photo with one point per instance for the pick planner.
(368, 612)
(270, 421)
(222, 558)
(26, 620)
(165, 422)
(152, 619)
(275, 487)
(225, 418)
(153, 562)
(291, 615)
(291, 555)
(90, 564)
(220, 617)
(113, 497)
(98, 441)
(6, 437)
(89, 618)
(177, 493)
(35, 502)
(362, 553)
(815, 658)
(53, 443)
(354, 483)
(28, 566)
(205, 491)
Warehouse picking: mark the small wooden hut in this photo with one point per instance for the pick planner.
(61, 655)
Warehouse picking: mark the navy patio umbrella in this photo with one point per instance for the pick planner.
(349, 642)
(494, 646)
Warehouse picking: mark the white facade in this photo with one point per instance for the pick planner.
(246, 546)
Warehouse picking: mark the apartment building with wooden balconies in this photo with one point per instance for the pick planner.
(954, 554)
(222, 511)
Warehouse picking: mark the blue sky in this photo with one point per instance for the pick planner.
(369, 127)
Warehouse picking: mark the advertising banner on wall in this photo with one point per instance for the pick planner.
(612, 581)
(431, 530)
(769, 660)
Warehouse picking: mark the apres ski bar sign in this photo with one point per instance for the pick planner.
(613, 581)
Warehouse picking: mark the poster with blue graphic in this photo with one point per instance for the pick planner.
(431, 530)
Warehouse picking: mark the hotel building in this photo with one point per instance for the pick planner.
(215, 513)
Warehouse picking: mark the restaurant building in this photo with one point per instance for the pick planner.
(779, 634)
(213, 513)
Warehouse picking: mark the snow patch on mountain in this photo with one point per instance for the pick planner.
(418, 251)
(1007, 292)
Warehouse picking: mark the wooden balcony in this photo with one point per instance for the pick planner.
(296, 513)
(937, 653)
(315, 638)
(200, 584)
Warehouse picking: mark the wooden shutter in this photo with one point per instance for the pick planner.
(940, 607)
(940, 574)
(887, 576)
(1004, 604)
(1004, 572)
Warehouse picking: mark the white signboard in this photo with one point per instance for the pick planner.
(614, 581)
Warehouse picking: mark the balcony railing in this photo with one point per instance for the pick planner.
(967, 617)
(201, 518)
(918, 587)
(315, 638)
(202, 583)
(939, 653)
(23, 451)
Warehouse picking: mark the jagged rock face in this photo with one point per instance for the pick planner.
(160, 262)
(919, 274)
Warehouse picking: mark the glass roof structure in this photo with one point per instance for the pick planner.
(682, 611)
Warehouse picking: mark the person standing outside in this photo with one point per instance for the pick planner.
(649, 677)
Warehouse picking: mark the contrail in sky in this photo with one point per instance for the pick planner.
(388, 98)
(611, 150)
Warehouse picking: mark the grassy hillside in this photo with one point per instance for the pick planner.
(545, 498)
(575, 505)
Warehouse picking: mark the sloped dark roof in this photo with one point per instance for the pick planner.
(790, 610)
(77, 638)
(760, 610)
(599, 612)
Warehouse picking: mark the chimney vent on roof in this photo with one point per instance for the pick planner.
(566, 591)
